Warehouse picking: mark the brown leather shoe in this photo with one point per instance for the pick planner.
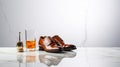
(66, 47)
(46, 43)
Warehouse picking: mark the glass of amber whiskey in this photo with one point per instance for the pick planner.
(30, 40)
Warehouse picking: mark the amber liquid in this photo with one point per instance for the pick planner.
(31, 44)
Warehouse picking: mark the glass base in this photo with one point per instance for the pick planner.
(32, 49)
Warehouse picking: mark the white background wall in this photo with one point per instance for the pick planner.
(81, 22)
(103, 23)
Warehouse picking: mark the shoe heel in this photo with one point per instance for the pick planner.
(41, 48)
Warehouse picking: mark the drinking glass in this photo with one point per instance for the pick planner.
(30, 40)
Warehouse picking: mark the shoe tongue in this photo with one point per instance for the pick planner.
(46, 41)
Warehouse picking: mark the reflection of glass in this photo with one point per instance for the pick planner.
(54, 58)
(30, 40)
(30, 57)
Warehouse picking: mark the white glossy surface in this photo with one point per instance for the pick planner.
(82, 57)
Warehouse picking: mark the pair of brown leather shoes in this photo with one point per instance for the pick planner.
(54, 44)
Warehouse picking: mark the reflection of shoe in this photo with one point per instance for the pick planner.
(69, 54)
(55, 58)
(50, 59)
(66, 47)
(45, 43)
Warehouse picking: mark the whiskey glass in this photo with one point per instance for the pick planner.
(30, 40)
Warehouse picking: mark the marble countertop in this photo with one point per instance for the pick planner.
(82, 57)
